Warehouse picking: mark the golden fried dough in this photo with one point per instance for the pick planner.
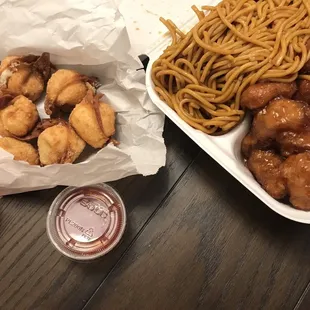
(59, 144)
(266, 168)
(93, 120)
(65, 89)
(21, 150)
(296, 171)
(25, 75)
(20, 117)
(6, 62)
(30, 85)
(39, 128)
(257, 96)
(6, 97)
(3, 132)
(6, 69)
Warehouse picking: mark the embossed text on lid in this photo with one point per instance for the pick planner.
(85, 223)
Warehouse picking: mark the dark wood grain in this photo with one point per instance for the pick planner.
(212, 245)
(34, 276)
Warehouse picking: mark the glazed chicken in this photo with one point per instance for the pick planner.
(257, 96)
(281, 130)
(293, 143)
(277, 148)
(250, 143)
(296, 172)
(279, 116)
(303, 92)
(266, 168)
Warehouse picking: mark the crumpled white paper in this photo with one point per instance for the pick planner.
(89, 36)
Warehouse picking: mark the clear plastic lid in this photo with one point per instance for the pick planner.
(84, 223)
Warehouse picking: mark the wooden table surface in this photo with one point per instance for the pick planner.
(195, 239)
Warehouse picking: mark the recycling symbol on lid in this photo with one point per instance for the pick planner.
(89, 232)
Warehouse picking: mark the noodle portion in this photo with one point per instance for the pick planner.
(203, 73)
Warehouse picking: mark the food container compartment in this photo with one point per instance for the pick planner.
(225, 149)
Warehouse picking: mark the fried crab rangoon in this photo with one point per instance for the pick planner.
(65, 89)
(59, 144)
(25, 75)
(19, 117)
(39, 128)
(21, 150)
(3, 131)
(93, 120)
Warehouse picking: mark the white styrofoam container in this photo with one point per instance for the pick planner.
(225, 149)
